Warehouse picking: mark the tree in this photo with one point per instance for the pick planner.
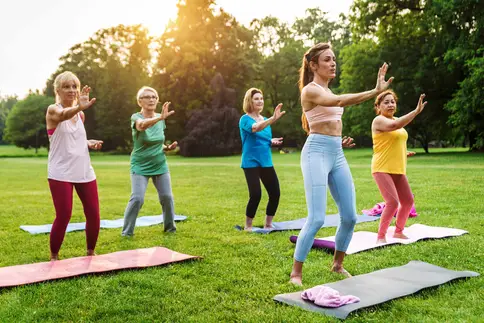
(409, 36)
(6, 105)
(115, 62)
(200, 43)
(25, 126)
(358, 73)
(283, 47)
(214, 129)
(467, 106)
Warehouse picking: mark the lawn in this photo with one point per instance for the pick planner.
(240, 272)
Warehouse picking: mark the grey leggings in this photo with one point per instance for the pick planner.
(139, 183)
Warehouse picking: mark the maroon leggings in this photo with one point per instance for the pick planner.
(398, 196)
(62, 197)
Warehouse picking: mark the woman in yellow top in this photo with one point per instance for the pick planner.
(389, 162)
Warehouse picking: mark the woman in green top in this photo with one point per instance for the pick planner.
(148, 160)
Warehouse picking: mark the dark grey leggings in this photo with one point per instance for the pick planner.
(268, 177)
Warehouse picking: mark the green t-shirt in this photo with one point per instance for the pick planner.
(148, 157)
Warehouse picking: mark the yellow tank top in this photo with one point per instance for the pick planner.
(390, 152)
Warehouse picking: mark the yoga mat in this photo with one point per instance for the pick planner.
(363, 240)
(44, 271)
(380, 286)
(331, 220)
(143, 221)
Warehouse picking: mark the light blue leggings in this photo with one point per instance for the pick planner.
(324, 164)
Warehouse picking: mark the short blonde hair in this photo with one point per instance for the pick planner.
(248, 107)
(63, 78)
(144, 88)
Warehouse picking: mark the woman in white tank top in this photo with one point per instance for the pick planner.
(69, 164)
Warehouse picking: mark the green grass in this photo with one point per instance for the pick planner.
(239, 273)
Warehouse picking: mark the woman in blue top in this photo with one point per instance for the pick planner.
(256, 134)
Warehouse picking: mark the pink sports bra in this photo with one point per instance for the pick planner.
(320, 114)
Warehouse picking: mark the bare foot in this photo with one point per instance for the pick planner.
(341, 270)
(269, 227)
(399, 236)
(296, 279)
(90, 252)
(381, 241)
(249, 229)
(54, 256)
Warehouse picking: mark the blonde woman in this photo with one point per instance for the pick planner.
(256, 134)
(148, 160)
(69, 164)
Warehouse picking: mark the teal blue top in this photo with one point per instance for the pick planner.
(148, 157)
(256, 146)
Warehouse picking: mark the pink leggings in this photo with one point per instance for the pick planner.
(395, 190)
(62, 197)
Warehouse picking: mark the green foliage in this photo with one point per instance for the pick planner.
(115, 63)
(25, 126)
(428, 44)
(6, 105)
(467, 106)
(200, 43)
(358, 73)
(283, 47)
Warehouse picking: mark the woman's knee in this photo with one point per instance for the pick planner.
(316, 223)
(275, 196)
(392, 203)
(255, 196)
(349, 220)
(137, 200)
(166, 198)
(407, 202)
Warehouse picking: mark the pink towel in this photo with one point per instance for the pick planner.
(327, 297)
(379, 207)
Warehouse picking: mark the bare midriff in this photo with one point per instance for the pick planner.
(328, 128)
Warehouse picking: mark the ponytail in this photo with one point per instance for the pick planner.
(306, 76)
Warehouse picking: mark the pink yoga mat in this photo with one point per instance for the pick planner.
(43, 271)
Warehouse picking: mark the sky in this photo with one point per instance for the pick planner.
(34, 34)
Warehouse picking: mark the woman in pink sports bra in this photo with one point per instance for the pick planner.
(323, 163)
(69, 164)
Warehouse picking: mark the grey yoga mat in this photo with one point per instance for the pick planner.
(331, 220)
(142, 221)
(380, 286)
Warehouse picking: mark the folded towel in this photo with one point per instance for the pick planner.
(327, 297)
(377, 210)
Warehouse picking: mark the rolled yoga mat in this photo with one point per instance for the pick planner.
(331, 220)
(380, 286)
(129, 259)
(143, 221)
(363, 240)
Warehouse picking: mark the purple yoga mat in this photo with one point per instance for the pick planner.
(320, 244)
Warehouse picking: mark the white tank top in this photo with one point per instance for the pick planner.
(69, 159)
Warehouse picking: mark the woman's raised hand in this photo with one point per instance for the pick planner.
(164, 111)
(420, 105)
(381, 84)
(83, 98)
(277, 112)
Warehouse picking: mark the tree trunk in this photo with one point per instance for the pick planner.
(472, 140)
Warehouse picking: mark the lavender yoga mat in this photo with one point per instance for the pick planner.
(363, 240)
(44, 271)
(331, 220)
(142, 221)
(380, 286)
